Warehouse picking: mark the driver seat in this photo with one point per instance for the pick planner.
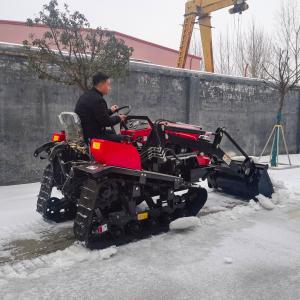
(71, 124)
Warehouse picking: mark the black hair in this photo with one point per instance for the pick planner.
(99, 77)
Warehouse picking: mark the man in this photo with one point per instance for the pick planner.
(93, 111)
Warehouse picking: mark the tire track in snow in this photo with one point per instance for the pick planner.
(34, 268)
(34, 239)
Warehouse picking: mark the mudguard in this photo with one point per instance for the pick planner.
(96, 170)
(44, 148)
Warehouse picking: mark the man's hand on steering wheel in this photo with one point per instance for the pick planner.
(123, 112)
(114, 108)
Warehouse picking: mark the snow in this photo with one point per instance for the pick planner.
(195, 72)
(184, 223)
(21, 196)
(235, 250)
(228, 260)
(58, 260)
(265, 202)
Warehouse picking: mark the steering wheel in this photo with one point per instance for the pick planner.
(124, 110)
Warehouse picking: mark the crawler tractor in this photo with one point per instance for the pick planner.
(121, 191)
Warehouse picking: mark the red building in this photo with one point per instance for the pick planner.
(16, 32)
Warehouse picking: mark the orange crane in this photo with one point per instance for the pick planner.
(202, 10)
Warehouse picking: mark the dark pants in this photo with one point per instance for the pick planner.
(112, 136)
(108, 135)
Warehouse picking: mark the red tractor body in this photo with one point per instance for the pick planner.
(160, 164)
(123, 154)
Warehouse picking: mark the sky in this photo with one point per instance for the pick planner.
(157, 21)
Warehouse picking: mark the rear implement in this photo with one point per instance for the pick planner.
(242, 178)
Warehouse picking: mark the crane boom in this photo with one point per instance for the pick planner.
(202, 9)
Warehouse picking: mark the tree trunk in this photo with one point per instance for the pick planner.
(281, 102)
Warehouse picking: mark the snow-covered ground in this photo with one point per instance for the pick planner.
(234, 250)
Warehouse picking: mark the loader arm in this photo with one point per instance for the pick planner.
(202, 9)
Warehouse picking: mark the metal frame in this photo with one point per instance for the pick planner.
(276, 131)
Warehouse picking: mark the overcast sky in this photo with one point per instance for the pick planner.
(158, 21)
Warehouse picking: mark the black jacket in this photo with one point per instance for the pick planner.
(94, 114)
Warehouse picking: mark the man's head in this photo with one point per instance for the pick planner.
(102, 83)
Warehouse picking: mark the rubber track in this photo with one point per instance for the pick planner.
(85, 209)
(47, 184)
(85, 214)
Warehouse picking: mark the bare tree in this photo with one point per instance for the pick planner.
(243, 51)
(253, 52)
(225, 58)
(289, 29)
(284, 71)
(285, 74)
(75, 49)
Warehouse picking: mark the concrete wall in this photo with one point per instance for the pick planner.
(29, 108)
